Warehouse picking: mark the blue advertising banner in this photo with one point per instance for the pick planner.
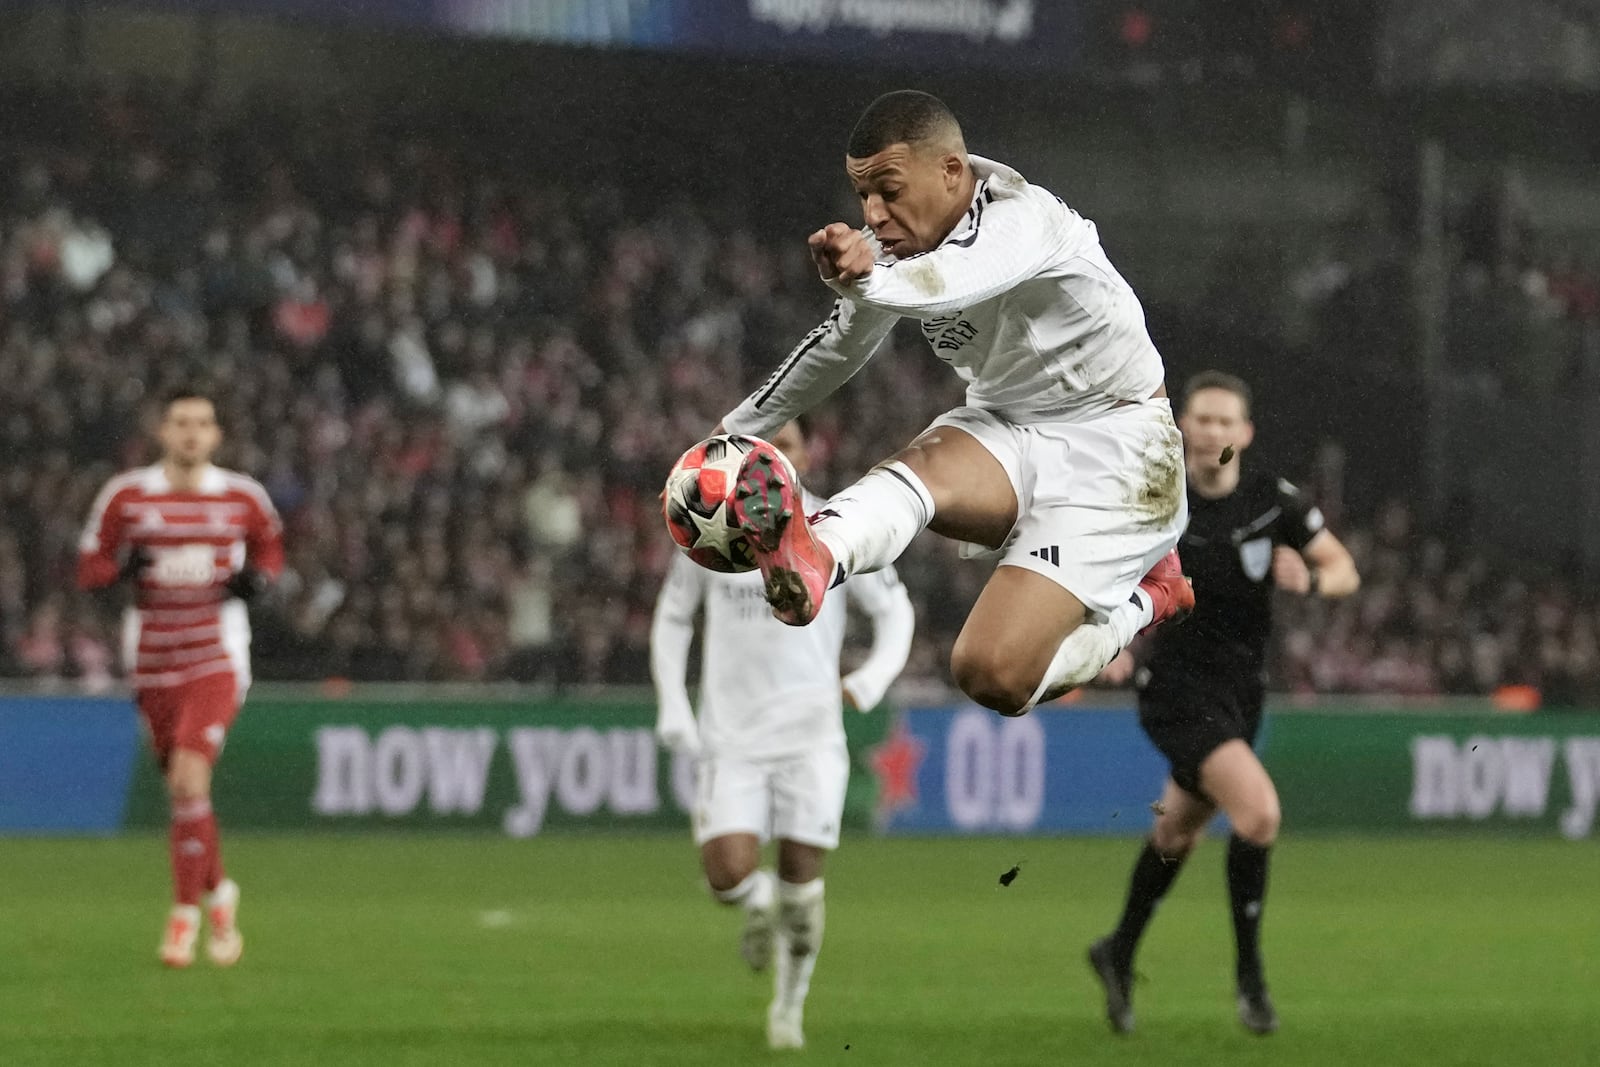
(1020, 33)
(65, 764)
(1025, 33)
(376, 13)
(970, 771)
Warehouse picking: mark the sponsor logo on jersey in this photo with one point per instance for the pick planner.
(949, 333)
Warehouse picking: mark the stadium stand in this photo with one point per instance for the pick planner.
(462, 388)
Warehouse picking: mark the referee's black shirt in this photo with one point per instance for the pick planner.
(1227, 552)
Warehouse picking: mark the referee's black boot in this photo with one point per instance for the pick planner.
(1116, 978)
(1256, 1010)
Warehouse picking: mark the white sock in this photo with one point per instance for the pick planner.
(800, 923)
(867, 526)
(1088, 649)
(755, 893)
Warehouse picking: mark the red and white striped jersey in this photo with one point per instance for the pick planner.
(184, 623)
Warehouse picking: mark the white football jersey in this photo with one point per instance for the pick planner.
(1020, 300)
(768, 689)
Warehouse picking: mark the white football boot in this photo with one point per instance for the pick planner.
(177, 941)
(224, 943)
(784, 1028)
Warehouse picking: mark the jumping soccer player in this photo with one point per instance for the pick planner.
(1065, 461)
(197, 541)
(1200, 693)
(771, 745)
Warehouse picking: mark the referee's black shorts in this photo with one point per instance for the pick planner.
(1190, 717)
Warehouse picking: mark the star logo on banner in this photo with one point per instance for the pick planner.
(715, 531)
(895, 763)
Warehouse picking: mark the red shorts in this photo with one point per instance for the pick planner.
(195, 715)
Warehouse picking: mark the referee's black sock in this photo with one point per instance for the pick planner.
(1153, 875)
(1247, 889)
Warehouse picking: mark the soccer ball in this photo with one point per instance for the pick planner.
(697, 504)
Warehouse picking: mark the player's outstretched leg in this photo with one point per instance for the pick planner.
(800, 924)
(1182, 817)
(767, 506)
(224, 942)
(1163, 595)
(1112, 956)
(867, 526)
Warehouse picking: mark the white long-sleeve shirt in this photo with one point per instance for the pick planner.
(767, 689)
(1020, 300)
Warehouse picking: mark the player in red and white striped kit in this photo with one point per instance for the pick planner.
(197, 541)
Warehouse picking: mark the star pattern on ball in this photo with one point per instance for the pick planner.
(715, 531)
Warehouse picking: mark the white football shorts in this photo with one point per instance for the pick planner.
(1100, 499)
(794, 798)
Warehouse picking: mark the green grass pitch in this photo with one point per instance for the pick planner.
(605, 950)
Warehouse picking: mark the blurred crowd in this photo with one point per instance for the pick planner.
(1436, 618)
(462, 387)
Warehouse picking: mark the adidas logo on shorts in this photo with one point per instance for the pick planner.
(1051, 555)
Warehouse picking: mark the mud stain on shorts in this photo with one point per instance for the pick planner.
(1160, 481)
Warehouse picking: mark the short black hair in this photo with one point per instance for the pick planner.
(186, 391)
(1217, 379)
(904, 116)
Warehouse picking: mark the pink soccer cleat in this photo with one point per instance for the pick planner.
(766, 504)
(1171, 593)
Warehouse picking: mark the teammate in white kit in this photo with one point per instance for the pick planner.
(1065, 461)
(771, 745)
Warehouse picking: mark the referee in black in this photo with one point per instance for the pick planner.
(1200, 690)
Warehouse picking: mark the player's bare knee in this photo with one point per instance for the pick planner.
(990, 680)
(1259, 824)
(915, 457)
(1171, 844)
(1174, 842)
(798, 864)
(725, 872)
(187, 783)
(996, 696)
(183, 791)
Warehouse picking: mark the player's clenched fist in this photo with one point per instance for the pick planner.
(1289, 570)
(841, 251)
